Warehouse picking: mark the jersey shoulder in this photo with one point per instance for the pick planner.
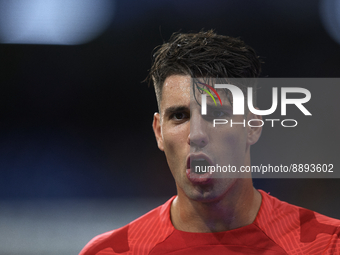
(297, 229)
(139, 236)
(112, 242)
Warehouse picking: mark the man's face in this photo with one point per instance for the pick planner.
(186, 137)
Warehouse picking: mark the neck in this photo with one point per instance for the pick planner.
(237, 208)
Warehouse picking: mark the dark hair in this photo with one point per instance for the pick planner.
(203, 54)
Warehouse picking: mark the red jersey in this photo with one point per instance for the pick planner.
(279, 228)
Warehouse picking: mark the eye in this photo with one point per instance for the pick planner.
(218, 114)
(179, 116)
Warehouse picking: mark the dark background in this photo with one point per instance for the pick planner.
(76, 120)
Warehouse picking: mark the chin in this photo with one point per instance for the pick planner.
(204, 194)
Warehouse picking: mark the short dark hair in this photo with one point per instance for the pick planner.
(203, 54)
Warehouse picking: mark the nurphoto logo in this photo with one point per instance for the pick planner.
(238, 104)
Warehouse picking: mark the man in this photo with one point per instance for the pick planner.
(212, 213)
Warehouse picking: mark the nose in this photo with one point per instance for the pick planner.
(198, 136)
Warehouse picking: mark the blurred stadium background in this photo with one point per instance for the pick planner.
(77, 152)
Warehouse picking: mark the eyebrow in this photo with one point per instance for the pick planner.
(173, 109)
(218, 107)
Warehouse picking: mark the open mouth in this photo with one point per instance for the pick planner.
(199, 166)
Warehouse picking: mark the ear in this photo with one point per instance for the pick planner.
(255, 130)
(156, 125)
